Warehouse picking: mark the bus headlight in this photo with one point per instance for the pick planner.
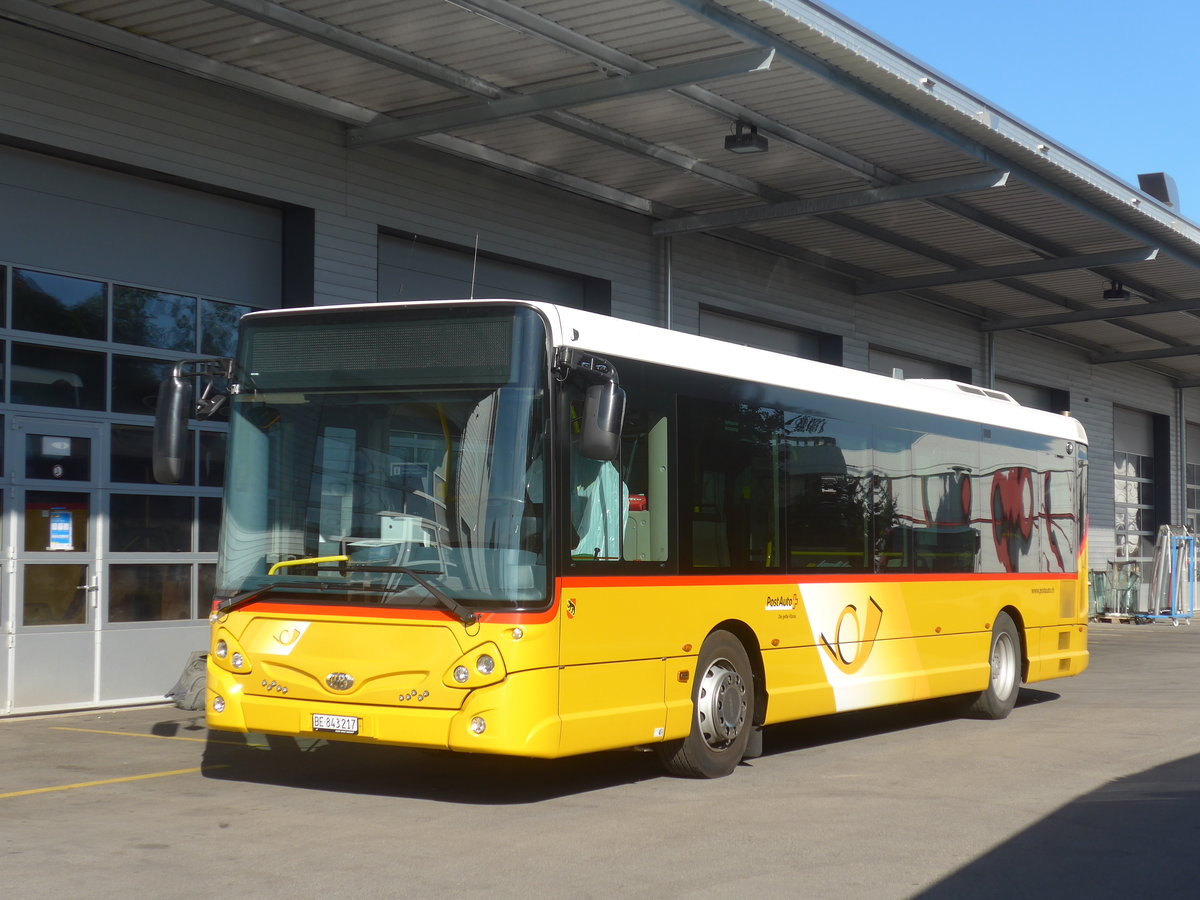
(478, 667)
(228, 654)
(218, 704)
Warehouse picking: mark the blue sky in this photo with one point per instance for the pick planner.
(1116, 81)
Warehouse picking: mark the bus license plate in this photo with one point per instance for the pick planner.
(336, 724)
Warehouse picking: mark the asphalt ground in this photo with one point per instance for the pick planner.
(1091, 788)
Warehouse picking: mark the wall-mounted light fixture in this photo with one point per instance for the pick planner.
(1115, 291)
(746, 140)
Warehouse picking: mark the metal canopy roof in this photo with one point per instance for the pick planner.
(879, 169)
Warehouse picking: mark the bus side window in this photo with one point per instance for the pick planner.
(620, 509)
(645, 469)
(730, 481)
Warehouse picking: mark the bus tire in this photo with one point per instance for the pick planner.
(1004, 681)
(722, 712)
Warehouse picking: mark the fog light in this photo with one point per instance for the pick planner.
(238, 660)
(218, 704)
(461, 674)
(485, 665)
(478, 726)
(222, 649)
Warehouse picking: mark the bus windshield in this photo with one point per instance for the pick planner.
(389, 456)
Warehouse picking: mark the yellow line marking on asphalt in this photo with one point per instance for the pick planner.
(84, 784)
(161, 737)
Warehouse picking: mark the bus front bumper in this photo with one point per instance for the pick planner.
(516, 717)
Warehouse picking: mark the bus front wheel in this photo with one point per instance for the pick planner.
(1004, 681)
(722, 712)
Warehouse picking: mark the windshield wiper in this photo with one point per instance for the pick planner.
(460, 612)
(262, 590)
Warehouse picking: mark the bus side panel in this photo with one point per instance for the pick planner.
(617, 704)
(797, 685)
(1056, 651)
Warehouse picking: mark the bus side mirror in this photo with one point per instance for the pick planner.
(603, 415)
(170, 429)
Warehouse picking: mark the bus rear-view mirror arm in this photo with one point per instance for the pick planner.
(174, 408)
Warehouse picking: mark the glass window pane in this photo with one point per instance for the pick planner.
(1145, 466)
(135, 384)
(206, 588)
(218, 327)
(153, 319)
(52, 594)
(148, 593)
(144, 523)
(212, 458)
(58, 457)
(209, 524)
(131, 455)
(53, 376)
(56, 520)
(58, 304)
(3, 293)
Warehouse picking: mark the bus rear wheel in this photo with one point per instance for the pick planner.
(996, 701)
(722, 712)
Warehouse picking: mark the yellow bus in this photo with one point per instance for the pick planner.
(509, 527)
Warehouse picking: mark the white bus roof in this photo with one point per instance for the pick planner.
(607, 336)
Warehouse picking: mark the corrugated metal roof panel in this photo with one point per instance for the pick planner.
(858, 103)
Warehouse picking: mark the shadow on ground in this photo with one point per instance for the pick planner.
(1133, 837)
(495, 780)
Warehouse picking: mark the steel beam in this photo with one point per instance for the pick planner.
(523, 105)
(994, 273)
(792, 209)
(1139, 355)
(1129, 310)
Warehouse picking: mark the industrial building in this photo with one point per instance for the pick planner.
(763, 171)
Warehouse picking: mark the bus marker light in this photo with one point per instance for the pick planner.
(478, 725)
(774, 642)
(684, 675)
(461, 674)
(517, 634)
(687, 648)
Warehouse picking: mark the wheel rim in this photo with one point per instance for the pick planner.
(1004, 666)
(721, 704)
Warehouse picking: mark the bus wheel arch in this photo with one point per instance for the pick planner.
(724, 703)
(749, 639)
(1008, 665)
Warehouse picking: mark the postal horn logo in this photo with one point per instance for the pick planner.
(853, 640)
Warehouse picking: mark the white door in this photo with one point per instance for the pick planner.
(53, 557)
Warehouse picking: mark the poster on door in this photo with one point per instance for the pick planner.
(61, 535)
